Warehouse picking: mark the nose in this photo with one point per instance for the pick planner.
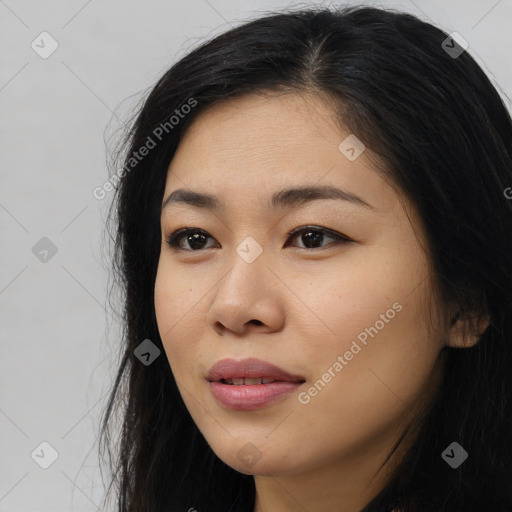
(248, 297)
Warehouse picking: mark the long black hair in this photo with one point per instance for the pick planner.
(421, 103)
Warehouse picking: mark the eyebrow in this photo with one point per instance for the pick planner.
(291, 197)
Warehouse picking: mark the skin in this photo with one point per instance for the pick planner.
(298, 308)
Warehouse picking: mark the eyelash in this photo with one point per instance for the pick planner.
(174, 238)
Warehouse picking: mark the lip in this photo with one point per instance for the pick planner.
(249, 368)
(252, 396)
(248, 397)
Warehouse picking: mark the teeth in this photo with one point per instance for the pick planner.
(238, 381)
(248, 382)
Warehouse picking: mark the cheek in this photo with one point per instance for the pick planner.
(176, 306)
(165, 303)
(353, 304)
(382, 362)
(178, 296)
(372, 335)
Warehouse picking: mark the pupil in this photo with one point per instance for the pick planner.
(307, 239)
(193, 240)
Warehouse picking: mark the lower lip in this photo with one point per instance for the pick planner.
(251, 397)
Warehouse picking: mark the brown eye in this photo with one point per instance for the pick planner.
(195, 237)
(311, 236)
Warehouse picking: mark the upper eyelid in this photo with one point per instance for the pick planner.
(180, 232)
(328, 232)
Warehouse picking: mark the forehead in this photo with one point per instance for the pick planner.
(253, 146)
(269, 119)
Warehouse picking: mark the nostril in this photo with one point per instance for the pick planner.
(257, 322)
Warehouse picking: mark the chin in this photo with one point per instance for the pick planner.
(259, 469)
(246, 458)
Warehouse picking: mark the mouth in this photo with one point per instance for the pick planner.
(241, 381)
(251, 397)
(249, 372)
(250, 384)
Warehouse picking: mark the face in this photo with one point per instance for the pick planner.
(340, 302)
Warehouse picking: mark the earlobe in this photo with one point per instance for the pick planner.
(465, 332)
(483, 323)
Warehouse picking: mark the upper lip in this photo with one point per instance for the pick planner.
(249, 368)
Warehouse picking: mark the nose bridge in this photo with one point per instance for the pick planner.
(243, 293)
(248, 266)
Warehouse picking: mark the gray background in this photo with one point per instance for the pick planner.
(58, 359)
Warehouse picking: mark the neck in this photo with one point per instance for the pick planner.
(343, 485)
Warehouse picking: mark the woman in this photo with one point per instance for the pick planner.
(314, 240)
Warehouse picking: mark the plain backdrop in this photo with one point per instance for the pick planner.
(58, 360)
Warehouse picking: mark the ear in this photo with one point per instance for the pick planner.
(465, 331)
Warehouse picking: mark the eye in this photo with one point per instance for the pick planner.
(310, 236)
(195, 237)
